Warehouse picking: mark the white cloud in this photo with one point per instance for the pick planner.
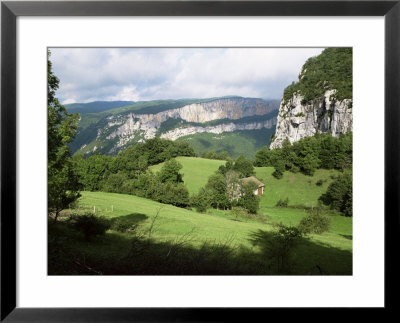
(89, 74)
(128, 93)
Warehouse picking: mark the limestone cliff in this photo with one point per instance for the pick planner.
(190, 119)
(218, 129)
(298, 119)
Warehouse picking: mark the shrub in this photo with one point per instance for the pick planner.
(90, 225)
(319, 183)
(239, 212)
(202, 201)
(279, 169)
(339, 194)
(281, 246)
(127, 223)
(315, 222)
(282, 202)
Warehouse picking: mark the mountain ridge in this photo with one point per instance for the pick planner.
(113, 130)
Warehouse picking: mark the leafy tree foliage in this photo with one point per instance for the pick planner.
(169, 173)
(223, 155)
(244, 166)
(201, 201)
(315, 222)
(159, 150)
(216, 186)
(63, 181)
(92, 171)
(339, 195)
(233, 185)
(249, 200)
(224, 191)
(309, 154)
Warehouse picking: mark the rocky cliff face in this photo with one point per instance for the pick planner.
(190, 119)
(324, 115)
(218, 129)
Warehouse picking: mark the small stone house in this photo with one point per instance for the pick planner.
(260, 190)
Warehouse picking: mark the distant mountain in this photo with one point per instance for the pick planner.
(96, 106)
(110, 131)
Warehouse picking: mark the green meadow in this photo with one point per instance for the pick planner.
(196, 171)
(242, 240)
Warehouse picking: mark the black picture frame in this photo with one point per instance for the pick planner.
(10, 10)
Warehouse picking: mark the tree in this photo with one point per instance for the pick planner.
(216, 186)
(63, 182)
(201, 202)
(248, 199)
(169, 173)
(92, 171)
(279, 169)
(233, 185)
(262, 157)
(339, 195)
(244, 166)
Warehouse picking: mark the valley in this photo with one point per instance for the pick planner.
(218, 185)
(110, 131)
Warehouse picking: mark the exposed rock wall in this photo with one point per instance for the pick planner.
(147, 125)
(325, 115)
(218, 129)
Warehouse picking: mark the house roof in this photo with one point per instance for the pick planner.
(254, 180)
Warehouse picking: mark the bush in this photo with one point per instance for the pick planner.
(339, 194)
(282, 202)
(281, 246)
(127, 223)
(315, 222)
(319, 183)
(239, 212)
(90, 225)
(202, 201)
(279, 169)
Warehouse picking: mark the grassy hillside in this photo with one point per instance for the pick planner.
(183, 241)
(246, 142)
(196, 171)
(331, 251)
(97, 106)
(299, 188)
(172, 220)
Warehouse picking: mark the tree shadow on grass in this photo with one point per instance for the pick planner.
(118, 253)
(301, 255)
(133, 218)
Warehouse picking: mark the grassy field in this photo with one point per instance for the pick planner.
(241, 242)
(172, 220)
(299, 188)
(196, 171)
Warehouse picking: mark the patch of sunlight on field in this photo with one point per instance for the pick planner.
(196, 171)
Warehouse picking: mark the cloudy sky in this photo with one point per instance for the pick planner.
(138, 74)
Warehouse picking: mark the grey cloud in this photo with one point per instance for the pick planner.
(88, 74)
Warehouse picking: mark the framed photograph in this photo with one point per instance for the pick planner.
(194, 152)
